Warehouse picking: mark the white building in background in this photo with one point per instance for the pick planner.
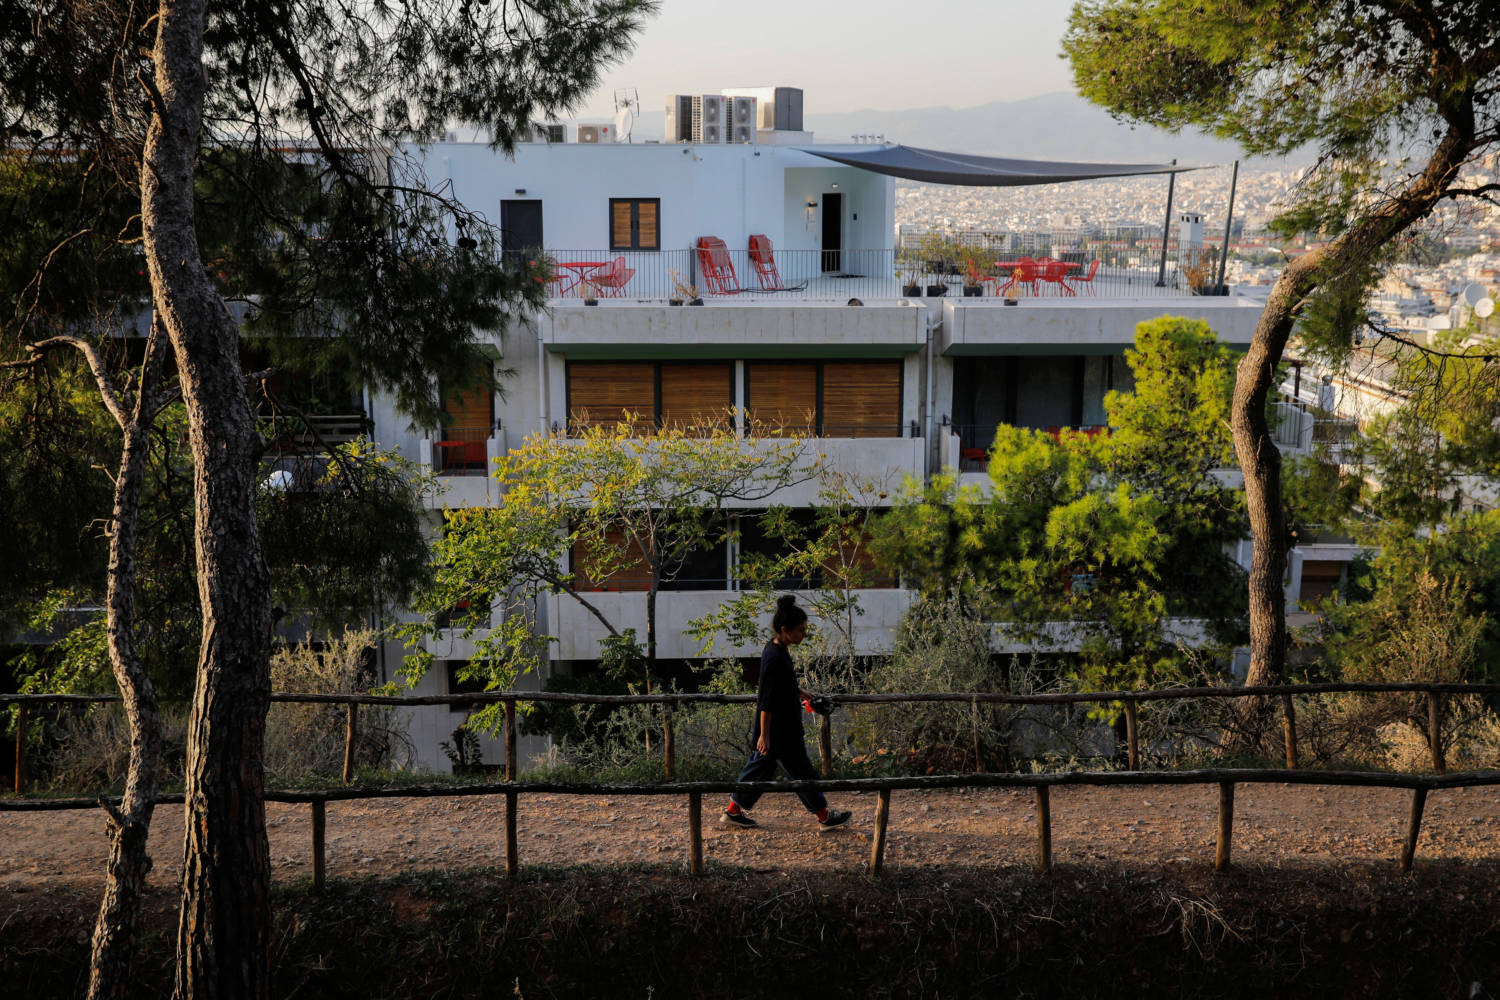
(898, 385)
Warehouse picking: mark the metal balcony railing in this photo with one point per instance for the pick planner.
(461, 451)
(605, 277)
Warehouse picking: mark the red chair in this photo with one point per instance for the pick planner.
(1088, 278)
(612, 277)
(764, 260)
(718, 270)
(1023, 272)
(1052, 272)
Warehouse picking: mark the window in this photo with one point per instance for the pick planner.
(845, 399)
(656, 393)
(705, 568)
(633, 223)
(473, 685)
(468, 415)
(761, 545)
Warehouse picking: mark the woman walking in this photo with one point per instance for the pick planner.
(778, 724)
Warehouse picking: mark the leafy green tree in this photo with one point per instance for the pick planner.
(624, 503)
(825, 552)
(1431, 545)
(153, 98)
(1107, 543)
(1355, 79)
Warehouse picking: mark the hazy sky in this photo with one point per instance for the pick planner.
(847, 55)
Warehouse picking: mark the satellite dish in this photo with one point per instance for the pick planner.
(1484, 307)
(1473, 293)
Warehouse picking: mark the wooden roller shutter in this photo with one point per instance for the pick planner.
(861, 399)
(696, 395)
(600, 393)
(784, 395)
(633, 576)
(646, 236)
(621, 235)
(468, 409)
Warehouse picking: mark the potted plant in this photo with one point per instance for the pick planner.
(682, 292)
(910, 267)
(937, 258)
(1198, 268)
(976, 264)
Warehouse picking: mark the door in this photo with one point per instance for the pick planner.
(833, 232)
(520, 228)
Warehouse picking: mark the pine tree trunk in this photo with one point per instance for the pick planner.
(224, 925)
(114, 928)
(1259, 458)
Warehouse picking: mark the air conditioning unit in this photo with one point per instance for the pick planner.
(741, 121)
(590, 133)
(709, 125)
(679, 118)
(549, 133)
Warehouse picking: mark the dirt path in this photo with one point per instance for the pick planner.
(1136, 827)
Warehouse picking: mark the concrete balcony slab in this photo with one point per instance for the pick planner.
(726, 328)
(1082, 325)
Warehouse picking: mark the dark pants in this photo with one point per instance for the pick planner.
(791, 753)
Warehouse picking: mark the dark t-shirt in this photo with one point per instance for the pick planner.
(778, 694)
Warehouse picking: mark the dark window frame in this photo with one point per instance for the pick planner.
(635, 225)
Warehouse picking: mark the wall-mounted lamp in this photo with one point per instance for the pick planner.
(812, 204)
(520, 190)
(835, 187)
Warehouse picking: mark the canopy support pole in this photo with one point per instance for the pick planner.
(1234, 177)
(1166, 231)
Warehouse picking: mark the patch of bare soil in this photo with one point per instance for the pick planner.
(1162, 827)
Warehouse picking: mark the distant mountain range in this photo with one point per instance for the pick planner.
(1060, 126)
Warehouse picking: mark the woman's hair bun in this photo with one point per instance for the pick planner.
(787, 615)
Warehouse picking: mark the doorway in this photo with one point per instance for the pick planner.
(833, 233)
(520, 229)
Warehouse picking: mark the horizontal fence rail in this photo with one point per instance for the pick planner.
(1420, 785)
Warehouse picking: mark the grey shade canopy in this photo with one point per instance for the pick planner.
(937, 167)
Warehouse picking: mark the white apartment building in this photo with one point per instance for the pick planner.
(898, 385)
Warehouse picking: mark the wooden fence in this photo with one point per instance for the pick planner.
(1225, 778)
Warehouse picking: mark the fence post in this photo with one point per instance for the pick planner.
(668, 741)
(512, 862)
(319, 827)
(1044, 829)
(1413, 828)
(510, 739)
(695, 833)
(825, 745)
(1289, 730)
(351, 728)
(21, 712)
(978, 754)
(1435, 730)
(1226, 825)
(877, 844)
(1132, 741)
